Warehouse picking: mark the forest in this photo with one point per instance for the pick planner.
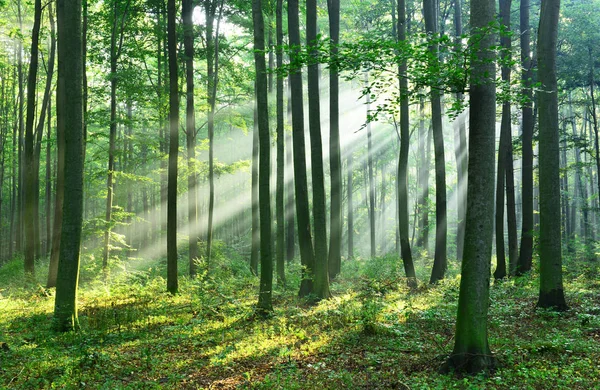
(270, 194)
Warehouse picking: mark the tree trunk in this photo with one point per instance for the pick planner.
(460, 151)
(70, 109)
(439, 265)
(255, 212)
(321, 269)
(280, 207)
(471, 349)
(173, 149)
(371, 195)
(526, 250)
(265, 305)
(551, 286)
(29, 144)
(423, 202)
(290, 209)
(190, 131)
(402, 189)
(300, 180)
(335, 160)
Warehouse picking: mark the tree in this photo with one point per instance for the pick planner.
(430, 12)
(321, 269)
(30, 173)
(173, 150)
(551, 286)
(471, 351)
(280, 207)
(335, 160)
(119, 17)
(70, 117)
(300, 181)
(265, 305)
(190, 131)
(526, 249)
(402, 183)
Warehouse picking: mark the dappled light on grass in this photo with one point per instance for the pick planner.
(373, 331)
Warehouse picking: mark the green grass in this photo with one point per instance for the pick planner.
(372, 334)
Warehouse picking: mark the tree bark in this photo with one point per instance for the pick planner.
(321, 269)
(70, 68)
(335, 160)
(471, 351)
(300, 180)
(172, 285)
(402, 189)
(265, 305)
(430, 11)
(29, 145)
(190, 131)
(526, 250)
(551, 286)
(280, 206)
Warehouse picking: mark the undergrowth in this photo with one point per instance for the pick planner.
(374, 332)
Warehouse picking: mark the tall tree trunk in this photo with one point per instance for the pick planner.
(350, 202)
(265, 305)
(48, 180)
(290, 240)
(551, 286)
(460, 151)
(371, 196)
(423, 171)
(321, 269)
(70, 109)
(402, 189)
(471, 351)
(190, 131)
(254, 196)
(580, 187)
(335, 159)
(116, 43)
(504, 151)
(172, 284)
(430, 11)
(39, 131)
(526, 250)
(29, 152)
(280, 207)
(20, 159)
(300, 179)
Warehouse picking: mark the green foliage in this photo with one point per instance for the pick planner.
(133, 334)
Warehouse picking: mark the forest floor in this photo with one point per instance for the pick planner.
(373, 333)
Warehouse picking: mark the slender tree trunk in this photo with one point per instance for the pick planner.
(526, 250)
(255, 211)
(71, 110)
(350, 202)
(190, 126)
(290, 208)
(20, 159)
(402, 189)
(551, 286)
(172, 285)
(371, 196)
(116, 43)
(471, 351)
(439, 264)
(29, 144)
(300, 179)
(423, 202)
(335, 160)
(460, 151)
(321, 269)
(48, 181)
(265, 305)
(280, 207)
